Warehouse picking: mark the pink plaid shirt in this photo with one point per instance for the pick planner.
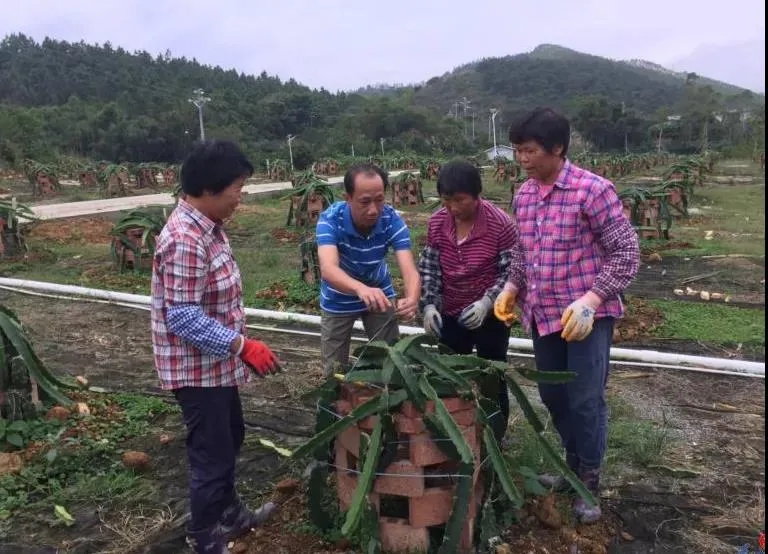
(194, 266)
(574, 238)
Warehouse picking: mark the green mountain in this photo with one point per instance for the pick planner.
(556, 76)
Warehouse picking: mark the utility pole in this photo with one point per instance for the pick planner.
(473, 126)
(353, 150)
(381, 141)
(494, 111)
(465, 103)
(199, 99)
(290, 148)
(456, 110)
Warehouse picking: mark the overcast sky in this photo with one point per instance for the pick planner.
(346, 44)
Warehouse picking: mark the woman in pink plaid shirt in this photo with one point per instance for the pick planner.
(577, 253)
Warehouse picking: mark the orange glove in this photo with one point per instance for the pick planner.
(504, 307)
(259, 358)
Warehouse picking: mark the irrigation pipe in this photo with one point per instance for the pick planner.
(624, 356)
(283, 330)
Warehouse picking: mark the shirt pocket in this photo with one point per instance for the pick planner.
(562, 228)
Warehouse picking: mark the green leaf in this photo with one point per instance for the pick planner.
(14, 439)
(500, 467)
(458, 517)
(448, 424)
(432, 363)
(525, 405)
(19, 427)
(562, 468)
(364, 410)
(549, 377)
(366, 477)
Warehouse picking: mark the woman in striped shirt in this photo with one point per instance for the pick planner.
(463, 269)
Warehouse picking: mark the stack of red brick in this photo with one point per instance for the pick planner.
(415, 481)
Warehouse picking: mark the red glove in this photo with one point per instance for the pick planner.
(259, 357)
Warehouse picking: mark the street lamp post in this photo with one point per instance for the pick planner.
(290, 149)
(494, 111)
(199, 99)
(381, 140)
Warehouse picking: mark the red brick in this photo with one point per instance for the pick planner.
(409, 425)
(411, 484)
(346, 484)
(456, 404)
(349, 438)
(435, 505)
(368, 423)
(340, 456)
(409, 409)
(343, 407)
(465, 417)
(431, 508)
(398, 536)
(425, 452)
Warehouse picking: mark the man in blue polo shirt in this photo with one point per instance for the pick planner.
(353, 238)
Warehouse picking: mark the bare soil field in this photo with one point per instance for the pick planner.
(707, 495)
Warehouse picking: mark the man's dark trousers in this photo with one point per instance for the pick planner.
(578, 408)
(215, 432)
(491, 340)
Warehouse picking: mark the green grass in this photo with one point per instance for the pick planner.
(632, 441)
(715, 323)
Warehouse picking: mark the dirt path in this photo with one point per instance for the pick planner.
(710, 487)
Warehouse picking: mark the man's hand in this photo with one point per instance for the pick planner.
(374, 299)
(406, 308)
(433, 321)
(579, 317)
(259, 357)
(504, 306)
(474, 315)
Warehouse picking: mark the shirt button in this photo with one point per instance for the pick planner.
(533, 287)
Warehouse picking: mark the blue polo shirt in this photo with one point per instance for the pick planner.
(362, 258)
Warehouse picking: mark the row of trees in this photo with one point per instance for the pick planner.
(98, 102)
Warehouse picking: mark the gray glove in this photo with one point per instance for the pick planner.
(474, 315)
(433, 321)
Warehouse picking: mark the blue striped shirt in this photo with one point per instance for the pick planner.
(362, 258)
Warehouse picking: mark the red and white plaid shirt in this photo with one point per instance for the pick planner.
(574, 237)
(194, 265)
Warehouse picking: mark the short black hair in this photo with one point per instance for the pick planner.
(544, 126)
(459, 176)
(212, 166)
(366, 169)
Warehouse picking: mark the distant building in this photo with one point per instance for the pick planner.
(503, 151)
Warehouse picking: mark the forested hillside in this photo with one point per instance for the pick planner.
(556, 76)
(102, 102)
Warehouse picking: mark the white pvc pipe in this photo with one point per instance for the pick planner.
(650, 357)
(283, 330)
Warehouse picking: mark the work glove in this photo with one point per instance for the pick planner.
(577, 321)
(433, 321)
(259, 358)
(473, 315)
(504, 307)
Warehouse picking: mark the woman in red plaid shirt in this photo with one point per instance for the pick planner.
(577, 252)
(201, 350)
